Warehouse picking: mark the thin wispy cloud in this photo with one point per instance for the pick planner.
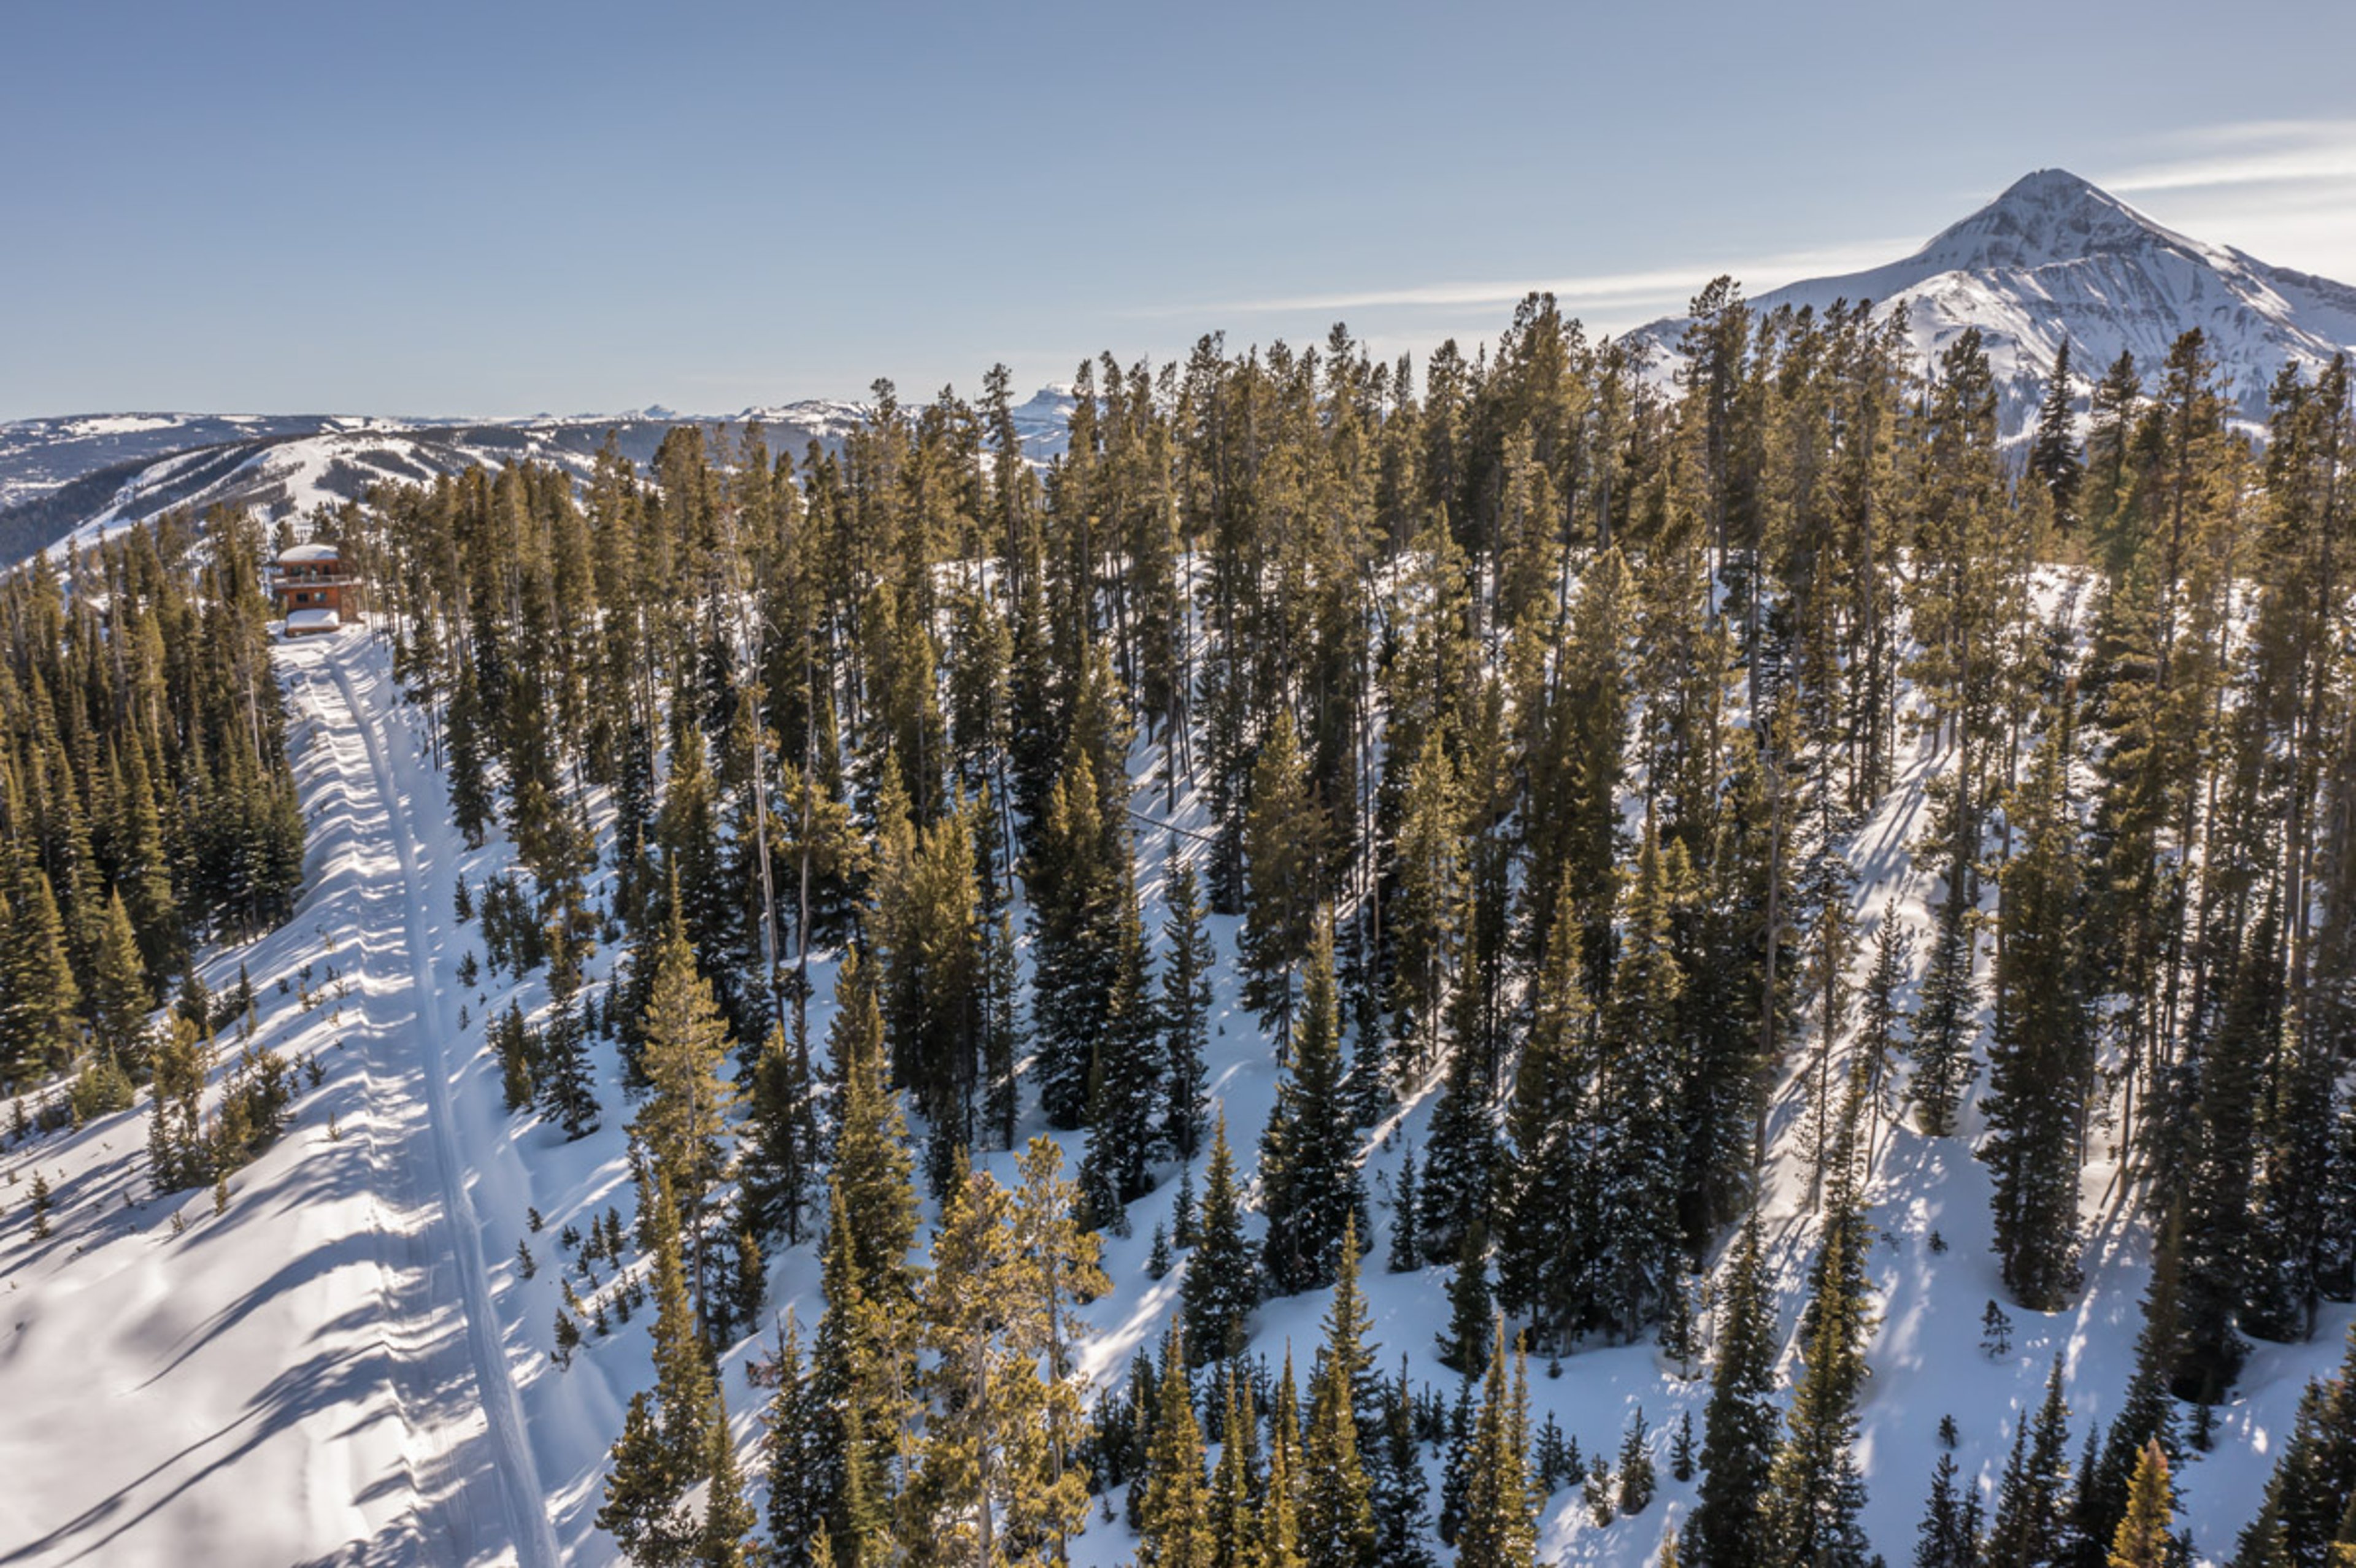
(2275, 187)
(1605, 290)
(2269, 151)
(2277, 190)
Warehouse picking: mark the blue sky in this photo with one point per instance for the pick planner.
(507, 208)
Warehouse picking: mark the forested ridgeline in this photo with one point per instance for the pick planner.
(1526, 718)
(145, 802)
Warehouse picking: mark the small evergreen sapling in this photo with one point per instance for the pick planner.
(1996, 1332)
(1157, 1260)
(1599, 1488)
(568, 1340)
(1637, 1477)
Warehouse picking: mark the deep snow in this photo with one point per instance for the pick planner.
(347, 1365)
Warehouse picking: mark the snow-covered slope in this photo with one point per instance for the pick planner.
(83, 477)
(2056, 257)
(322, 1368)
(39, 455)
(1934, 1268)
(352, 1364)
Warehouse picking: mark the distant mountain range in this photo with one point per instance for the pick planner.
(2053, 257)
(87, 475)
(2056, 257)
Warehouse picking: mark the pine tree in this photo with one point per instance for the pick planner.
(725, 1539)
(2143, 1538)
(1309, 1169)
(2040, 1058)
(1814, 1490)
(1282, 1541)
(1337, 1524)
(1001, 1031)
(2034, 1502)
(1996, 1332)
(1602, 1503)
(2146, 1414)
(1347, 1324)
(780, 1147)
(1187, 999)
(1174, 1519)
(2306, 1508)
(1943, 1539)
(1635, 1261)
(1739, 1428)
(1546, 1182)
(1405, 1256)
(568, 1085)
(683, 1121)
(1833, 941)
(1074, 885)
(120, 996)
(511, 1041)
(2291, 1241)
(1233, 1522)
(1425, 913)
(859, 1375)
(1637, 1479)
(470, 793)
(794, 1435)
(37, 1023)
(1499, 1528)
(1469, 1313)
(1460, 1150)
(1125, 1083)
(988, 1475)
(1219, 1292)
(870, 1164)
(1058, 1268)
(1882, 1016)
(665, 1449)
(1284, 844)
(1946, 1018)
(1401, 1500)
(2053, 455)
(2217, 1232)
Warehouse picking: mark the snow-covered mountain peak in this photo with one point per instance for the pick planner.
(2045, 218)
(2056, 259)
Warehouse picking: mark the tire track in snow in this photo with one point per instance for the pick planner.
(533, 1536)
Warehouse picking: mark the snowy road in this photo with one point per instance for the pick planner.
(318, 1374)
(466, 1279)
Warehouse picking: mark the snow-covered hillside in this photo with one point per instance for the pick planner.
(83, 478)
(2056, 257)
(329, 1366)
(353, 1362)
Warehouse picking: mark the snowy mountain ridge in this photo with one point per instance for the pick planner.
(80, 478)
(2056, 257)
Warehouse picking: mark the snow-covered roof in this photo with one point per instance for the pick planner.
(302, 554)
(301, 621)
